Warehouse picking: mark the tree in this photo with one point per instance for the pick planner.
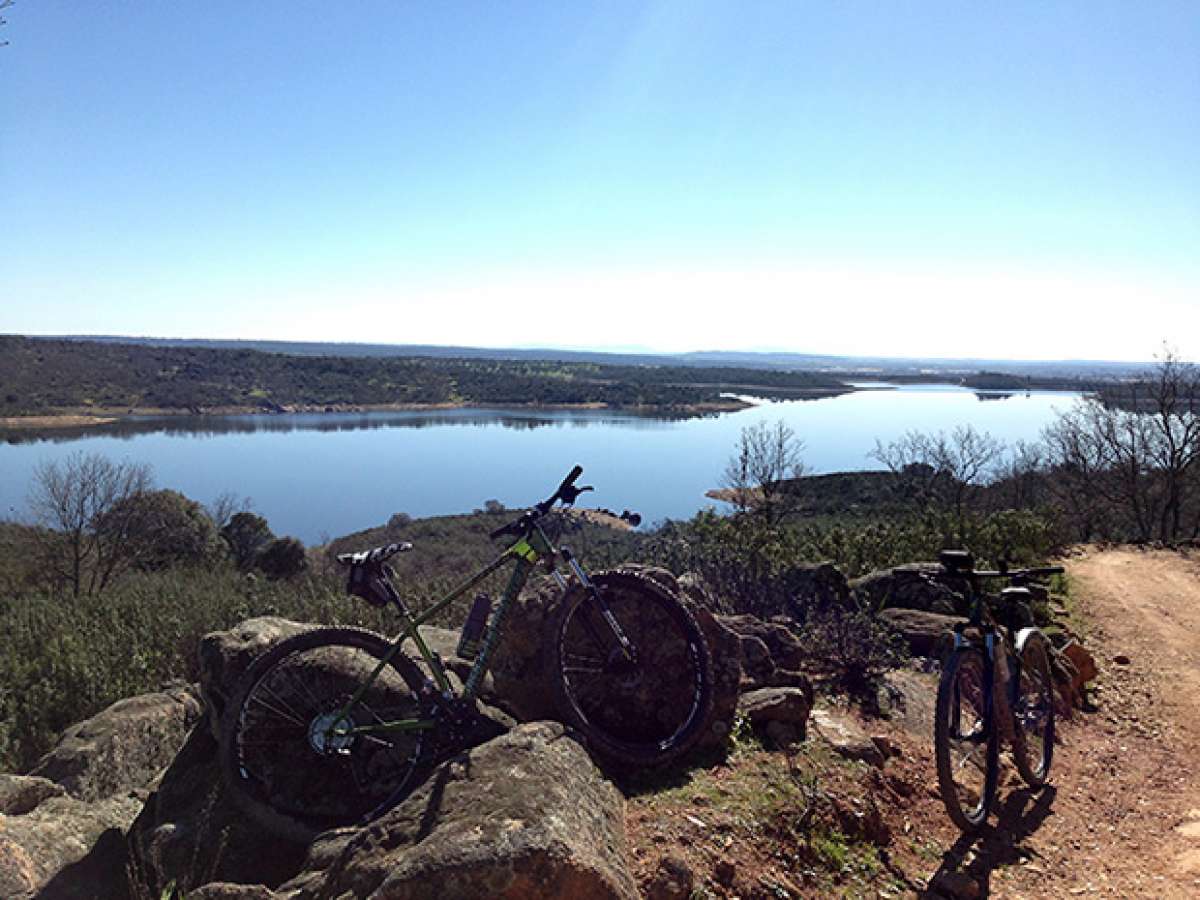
(160, 529)
(760, 472)
(1129, 457)
(246, 534)
(282, 558)
(940, 471)
(82, 501)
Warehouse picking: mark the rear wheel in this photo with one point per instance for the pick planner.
(1033, 713)
(643, 710)
(291, 759)
(965, 741)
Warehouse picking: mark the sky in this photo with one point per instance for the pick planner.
(1016, 180)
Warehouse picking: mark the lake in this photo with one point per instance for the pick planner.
(324, 475)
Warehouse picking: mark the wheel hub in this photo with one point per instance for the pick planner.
(327, 735)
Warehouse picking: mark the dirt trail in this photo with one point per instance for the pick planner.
(1122, 815)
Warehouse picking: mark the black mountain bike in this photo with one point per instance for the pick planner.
(335, 725)
(994, 683)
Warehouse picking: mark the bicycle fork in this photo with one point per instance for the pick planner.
(628, 651)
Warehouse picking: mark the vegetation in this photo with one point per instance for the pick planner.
(109, 593)
(42, 376)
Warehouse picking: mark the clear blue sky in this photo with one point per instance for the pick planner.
(879, 178)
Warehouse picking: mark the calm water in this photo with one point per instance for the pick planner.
(315, 475)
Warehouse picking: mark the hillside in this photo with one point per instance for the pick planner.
(39, 376)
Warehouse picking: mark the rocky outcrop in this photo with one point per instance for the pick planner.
(927, 634)
(225, 656)
(55, 846)
(190, 832)
(20, 794)
(785, 650)
(526, 816)
(123, 747)
(910, 587)
(779, 714)
(845, 736)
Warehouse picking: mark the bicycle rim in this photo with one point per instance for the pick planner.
(964, 742)
(286, 754)
(643, 711)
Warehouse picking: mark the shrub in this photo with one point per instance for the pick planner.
(246, 534)
(165, 528)
(282, 558)
(853, 647)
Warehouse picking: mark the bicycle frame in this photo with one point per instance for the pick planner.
(524, 555)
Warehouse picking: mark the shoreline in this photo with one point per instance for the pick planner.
(80, 418)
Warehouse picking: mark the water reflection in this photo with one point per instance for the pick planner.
(130, 427)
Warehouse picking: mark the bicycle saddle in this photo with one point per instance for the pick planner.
(375, 555)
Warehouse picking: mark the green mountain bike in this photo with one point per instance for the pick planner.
(996, 681)
(335, 725)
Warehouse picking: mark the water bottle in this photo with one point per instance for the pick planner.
(472, 632)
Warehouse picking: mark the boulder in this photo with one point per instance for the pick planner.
(925, 632)
(225, 656)
(526, 815)
(520, 684)
(64, 848)
(725, 655)
(786, 706)
(19, 794)
(122, 747)
(814, 587)
(844, 736)
(728, 656)
(1084, 662)
(909, 587)
(786, 650)
(191, 832)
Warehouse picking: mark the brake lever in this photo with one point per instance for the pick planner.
(571, 494)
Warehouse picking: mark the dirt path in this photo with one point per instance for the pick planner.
(1122, 817)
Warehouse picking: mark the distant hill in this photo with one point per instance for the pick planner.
(847, 366)
(44, 376)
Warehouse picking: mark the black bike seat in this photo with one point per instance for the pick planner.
(376, 555)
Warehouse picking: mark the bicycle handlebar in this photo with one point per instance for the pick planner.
(566, 492)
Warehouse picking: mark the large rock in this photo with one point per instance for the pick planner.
(845, 736)
(61, 847)
(526, 816)
(225, 656)
(725, 654)
(123, 747)
(521, 685)
(925, 632)
(780, 713)
(726, 658)
(910, 587)
(815, 587)
(21, 793)
(190, 831)
(786, 650)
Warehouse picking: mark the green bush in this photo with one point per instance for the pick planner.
(282, 558)
(246, 534)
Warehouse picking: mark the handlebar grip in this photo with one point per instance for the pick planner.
(569, 481)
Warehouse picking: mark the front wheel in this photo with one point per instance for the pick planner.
(290, 757)
(965, 741)
(643, 705)
(1033, 713)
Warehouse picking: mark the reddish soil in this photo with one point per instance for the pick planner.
(1120, 818)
